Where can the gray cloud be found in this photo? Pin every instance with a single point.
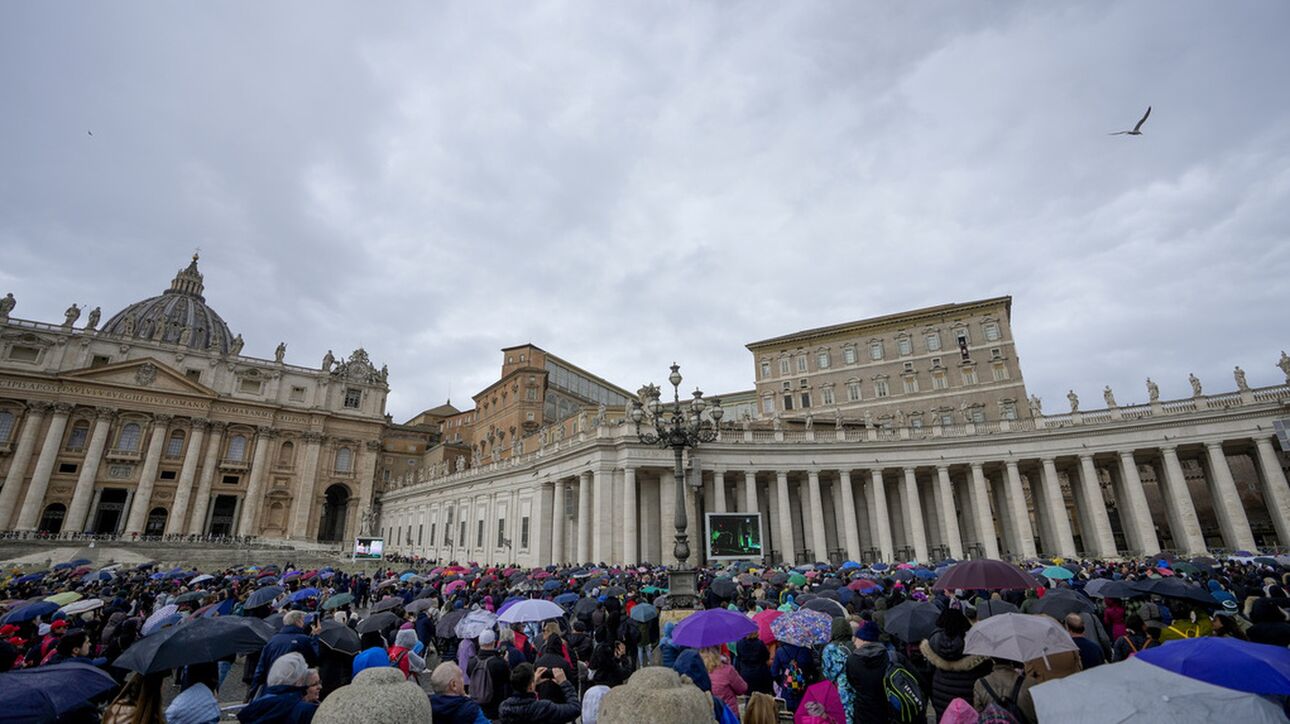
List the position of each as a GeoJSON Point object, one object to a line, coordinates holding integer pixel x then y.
{"type": "Point", "coordinates": [660, 182]}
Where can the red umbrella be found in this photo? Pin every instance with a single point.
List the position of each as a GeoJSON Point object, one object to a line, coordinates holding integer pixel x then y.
{"type": "Point", "coordinates": [864, 585]}
{"type": "Point", "coordinates": [821, 702]}
{"type": "Point", "coordinates": [763, 619]}
{"type": "Point", "coordinates": [984, 573]}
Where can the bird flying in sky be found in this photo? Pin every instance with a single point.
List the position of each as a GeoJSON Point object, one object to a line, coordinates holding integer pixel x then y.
{"type": "Point", "coordinates": [1137, 130]}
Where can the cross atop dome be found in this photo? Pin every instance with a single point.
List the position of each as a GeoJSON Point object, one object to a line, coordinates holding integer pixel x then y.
{"type": "Point", "coordinates": [189, 280]}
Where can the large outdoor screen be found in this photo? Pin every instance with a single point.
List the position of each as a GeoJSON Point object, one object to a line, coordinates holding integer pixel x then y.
{"type": "Point", "coordinates": [369, 548]}
{"type": "Point", "coordinates": [734, 536]}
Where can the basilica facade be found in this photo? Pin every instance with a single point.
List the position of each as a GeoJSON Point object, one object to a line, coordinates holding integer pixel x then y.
{"type": "Point", "coordinates": [156, 424]}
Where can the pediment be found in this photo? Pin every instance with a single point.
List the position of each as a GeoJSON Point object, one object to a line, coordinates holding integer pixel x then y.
{"type": "Point", "coordinates": [146, 372]}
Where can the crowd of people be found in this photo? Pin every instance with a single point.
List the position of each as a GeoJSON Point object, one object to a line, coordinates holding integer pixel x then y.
{"type": "Point", "coordinates": [848, 644]}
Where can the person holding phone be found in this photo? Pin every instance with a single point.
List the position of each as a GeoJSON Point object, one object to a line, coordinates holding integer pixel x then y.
{"type": "Point", "coordinates": [523, 706]}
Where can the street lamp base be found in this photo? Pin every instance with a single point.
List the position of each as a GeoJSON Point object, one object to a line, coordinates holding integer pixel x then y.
{"type": "Point", "coordinates": [682, 588]}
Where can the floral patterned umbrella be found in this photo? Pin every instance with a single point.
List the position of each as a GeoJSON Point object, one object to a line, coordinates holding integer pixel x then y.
{"type": "Point", "coordinates": [802, 628]}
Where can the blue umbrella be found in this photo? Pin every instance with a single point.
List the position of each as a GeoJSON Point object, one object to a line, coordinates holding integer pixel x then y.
{"type": "Point", "coordinates": [879, 566]}
{"type": "Point", "coordinates": [30, 611]}
{"type": "Point", "coordinates": [849, 565]}
{"type": "Point", "coordinates": [30, 577]}
{"type": "Point", "coordinates": [263, 596]}
{"type": "Point", "coordinates": [48, 692]}
{"type": "Point", "coordinates": [61, 566]}
{"type": "Point", "coordinates": [567, 599]}
{"type": "Point", "coordinates": [924, 574]}
{"type": "Point", "coordinates": [1229, 663]}
{"type": "Point", "coordinates": [302, 594]}
{"type": "Point", "coordinates": [80, 562]}
{"type": "Point", "coordinates": [223, 608]}
{"type": "Point", "coordinates": [845, 595]}
{"type": "Point", "coordinates": [551, 584]}
{"type": "Point", "coordinates": [157, 576]}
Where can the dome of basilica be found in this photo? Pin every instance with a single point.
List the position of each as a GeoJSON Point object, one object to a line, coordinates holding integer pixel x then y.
{"type": "Point", "coordinates": [178, 315]}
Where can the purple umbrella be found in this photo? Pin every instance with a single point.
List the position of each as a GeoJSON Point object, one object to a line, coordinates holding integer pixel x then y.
{"type": "Point", "coordinates": [712, 627]}
{"type": "Point", "coordinates": [1230, 663]}
{"type": "Point", "coordinates": [984, 573]}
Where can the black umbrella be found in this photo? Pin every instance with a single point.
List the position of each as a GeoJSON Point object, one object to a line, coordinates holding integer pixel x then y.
{"type": "Point", "coordinates": [389, 603]}
{"type": "Point", "coordinates": [828, 606]}
{"type": "Point", "coordinates": [830, 594]}
{"type": "Point", "coordinates": [830, 584]}
{"type": "Point", "coordinates": [912, 621]}
{"type": "Point", "coordinates": [48, 692]}
{"type": "Point", "coordinates": [1060, 601]}
{"type": "Point", "coordinates": [190, 596]}
{"type": "Point", "coordinates": [263, 596]}
{"type": "Point", "coordinates": [275, 621]}
{"type": "Point", "coordinates": [378, 622]}
{"type": "Point", "coordinates": [615, 591]}
{"type": "Point", "coordinates": [779, 578]}
{"type": "Point", "coordinates": [339, 637]}
{"type": "Point", "coordinates": [1174, 588]}
{"type": "Point", "coordinates": [585, 606]}
{"type": "Point", "coordinates": [420, 604]}
{"type": "Point", "coordinates": [197, 641]}
{"type": "Point", "coordinates": [802, 598]}
{"type": "Point", "coordinates": [994, 607]}
{"type": "Point", "coordinates": [723, 587]}
{"type": "Point", "coordinates": [447, 626]}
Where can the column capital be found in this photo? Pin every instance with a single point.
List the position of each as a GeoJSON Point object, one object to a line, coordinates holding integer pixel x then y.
{"type": "Point", "coordinates": [200, 423]}
{"type": "Point", "coordinates": [943, 468]}
{"type": "Point", "coordinates": [1086, 456]}
{"type": "Point", "coordinates": [313, 438]}
{"type": "Point", "coordinates": [105, 413]}
{"type": "Point", "coordinates": [813, 472]}
{"type": "Point", "coordinates": [977, 466]}
{"type": "Point", "coordinates": [63, 408]}
{"type": "Point", "coordinates": [1011, 464]}
{"type": "Point", "coordinates": [374, 446]}
{"type": "Point", "coordinates": [266, 432]}
{"type": "Point", "coordinates": [218, 426]}
{"type": "Point", "coordinates": [1168, 449]}
{"type": "Point", "coordinates": [1125, 454]}
{"type": "Point", "coordinates": [1048, 460]}
{"type": "Point", "coordinates": [1214, 445]}
{"type": "Point", "coordinates": [162, 418]}
{"type": "Point", "coordinates": [40, 407]}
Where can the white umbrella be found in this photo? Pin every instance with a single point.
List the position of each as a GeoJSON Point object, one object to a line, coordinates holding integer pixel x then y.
{"type": "Point", "coordinates": [202, 579]}
{"type": "Point", "coordinates": [534, 609]}
{"type": "Point", "coordinates": [88, 604]}
{"type": "Point", "coordinates": [157, 617]}
{"type": "Point", "coordinates": [475, 623]}
{"type": "Point", "coordinates": [1136, 691]}
{"type": "Point", "coordinates": [1017, 637]}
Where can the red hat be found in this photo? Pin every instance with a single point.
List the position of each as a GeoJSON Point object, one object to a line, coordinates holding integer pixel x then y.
{"type": "Point", "coordinates": [59, 624]}
{"type": "Point", "coordinates": [8, 630]}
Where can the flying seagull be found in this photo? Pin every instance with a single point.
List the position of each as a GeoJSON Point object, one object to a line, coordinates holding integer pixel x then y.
{"type": "Point", "coordinates": [1137, 130]}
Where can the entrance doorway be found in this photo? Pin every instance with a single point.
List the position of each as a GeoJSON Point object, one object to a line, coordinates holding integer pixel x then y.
{"type": "Point", "coordinates": [156, 524]}
{"type": "Point", "coordinates": [52, 520]}
{"type": "Point", "coordinates": [332, 527]}
{"type": "Point", "coordinates": [107, 519]}
{"type": "Point", "coordinates": [222, 514]}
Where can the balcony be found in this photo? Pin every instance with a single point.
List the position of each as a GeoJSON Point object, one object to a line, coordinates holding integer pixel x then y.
{"type": "Point", "coordinates": [122, 455]}
{"type": "Point", "coordinates": [234, 464]}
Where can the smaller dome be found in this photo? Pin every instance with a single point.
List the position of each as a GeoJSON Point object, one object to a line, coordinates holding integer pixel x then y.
{"type": "Point", "coordinates": [178, 315]}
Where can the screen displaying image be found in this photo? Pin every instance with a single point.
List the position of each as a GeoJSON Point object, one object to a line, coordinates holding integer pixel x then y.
{"type": "Point", "coordinates": [734, 535]}
{"type": "Point", "coordinates": [369, 547]}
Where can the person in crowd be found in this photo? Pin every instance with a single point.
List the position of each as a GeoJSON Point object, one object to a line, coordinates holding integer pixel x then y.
{"type": "Point", "coordinates": [523, 707]}
{"type": "Point", "coordinates": [1133, 640]}
{"type": "Point", "coordinates": [762, 709]}
{"type": "Point", "coordinates": [727, 684]}
{"type": "Point", "coordinates": [1114, 618]}
{"type": "Point", "coordinates": [690, 664]}
{"type": "Point", "coordinates": [196, 703]}
{"type": "Point", "coordinates": [866, 668]}
{"type": "Point", "coordinates": [449, 703]}
{"type": "Point", "coordinates": [833, 663]}
{"type": "Point", "coordinates": [609, 664]}
{"type": "Point", "coordinates": [495, 669]}
{"type": "Point", "coordinates": [1269, 623]}
{"type": "Point", "coordinates": [292, 638]}
{"type": "Point", "coordinates": [752, 660]}
{"type": "Point", "coordinates": [283, 701]}
{"type": "Point", "coordinates": [1001, 687]}
{"type": "Point", "coordinates": [580, 642]}
{"type": "Point", "coordinates": [1044, 669]}
{"type": "Point", "coordinates": [954, 673]}
{"type": "Point", "coordinates": [794, 669]}
{"type": "Point", "coordinates": [1090, 654]}
{"type": "Point", "coordinates": [1226, 626]}
{"type": "Point", "coordinates": [667, 650]}
{"type": "Point", "coordinates": [506, 646]}
{"type": "Point", "coordinates": [373, 653]}
{"type": "Point", "coordinates": [403, 657]}
{"type": "Point", "coordinates": [73, 646]}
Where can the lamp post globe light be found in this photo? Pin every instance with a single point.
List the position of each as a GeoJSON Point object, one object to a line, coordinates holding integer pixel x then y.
{"type": "Point", "coordinates": [678, 426]}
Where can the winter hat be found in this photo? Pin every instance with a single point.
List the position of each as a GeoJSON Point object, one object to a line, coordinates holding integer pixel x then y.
{"type": "Point", "coordinates": [487, 638]}
{"type": "Point", "coordinates": [377, 696]}
{"type": "Point", "coordinates": [868, 631]}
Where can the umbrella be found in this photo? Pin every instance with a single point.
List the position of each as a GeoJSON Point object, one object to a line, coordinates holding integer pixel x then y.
{"type": "Point", "coordinates": [1107, 588]}
{"type": "Point", "coordinates": [879, 567]}
{"type": "Point", "coordinates": [64, 598]}
{"type": "Point", "coordinates": [796, 579]}
{"type": "Point", "coordinates": [453, 586]}
{"type": "Point", "coordinates": [800, 628]}
{"type": "Point", "coordinates": [549, 585]}
{"type": "Point", "coordinates": [1057, 573]}
{"type": "Point", "coordinates": [263, 596]}
{"type": "Point", "coordinates": [389, 603]}
{"type": "Point", "coordinates": [1185, 567]}
{"type": "Point", "coordinates": [984, 573]}
{"type": "Point", "coordinates": [565, 599]}
{"type": "Point", "coordinates": [446, 628]}
{"type": "Point", "coordinates": [994, 608]}
{"type": "Point", "coordinates": [1226, 662]}
{"type": "Point", "coordinates": [823, 702]}
{"type": "Point", "coordinates": [302, 594]}
{"type": "Point", "coordinates": [865, 585]}
{"type": "Point", "coordinates": [614, 591]}
{"type": "Point", "coordinates": [475, 623]}
{"type": "Point", "coordinates": [388, 583]}
{"type": "Point", "coordinates": [197, 641]}
{"type": "Point", "coordinates": [88, 604]}
{"type": "Point", "coordinates": [1018, 637]}
{"type": "Point", "coordinates": [202, 579]}
{"type": "Point", "coordinates": [1136, 691]}
{"type": "Point", "coordinates": [48, 692]}
{"type": "Point", "coordinates": [712, 627]}
{"type": "Point", "coordinates": [419, 605]}
{"type": "Point", "coordinates": [190, 596]}
{"type": "Point", "coordinates": [779, 578]}
{"type": "Point", "coordinates": [1174, 588]}
{"type": "Point", "coordinates": [534, 609]}
{"type": "Point", "coordinates": [826, 606]}
{"type": "Point", "coordinates": [158, 618]}
{"type": "Point", "coordinates": [31, 577]}
{"type": "Point", "coordinates": [585, 606]}
{"type": "Point", "coordinates": [912, 621]}
{"type": "Point", "coordinates": [1061, 601]}
{"type": "Point", "coordinates": [377, 622]}
{"type": "Point", "coordinates": [643, 612]}
{"type": "Point", "coordinates": [763, 620]}
{"type": "Point", "coordinates": [339, 637]}
{"type": "Point", "coordinates": [30, 611]}
{"type": "Point", "coordinates": [338, 600]}
{"type": "Point", "coordinates": [723, 587]}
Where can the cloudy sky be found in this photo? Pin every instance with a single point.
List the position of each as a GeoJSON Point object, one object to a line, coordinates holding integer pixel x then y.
{"type": "Point", "coordinates": [626, 184]}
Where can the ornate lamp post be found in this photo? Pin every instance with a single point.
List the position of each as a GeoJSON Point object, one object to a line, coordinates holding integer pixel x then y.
{"type": "Point", "coordinates": [677, 426]}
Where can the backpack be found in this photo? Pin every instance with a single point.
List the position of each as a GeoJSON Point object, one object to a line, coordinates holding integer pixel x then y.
{"type": "Point", "coordinates": [1133, 650]}
{"type": "Point", "coordinates": [481, 684]}
{"type": "Point", "coordinates": [903, 692]}
{"type": "Point", "coordinates": [1008, 708]}
{"type": "Point", "coordinates": [794, 679]}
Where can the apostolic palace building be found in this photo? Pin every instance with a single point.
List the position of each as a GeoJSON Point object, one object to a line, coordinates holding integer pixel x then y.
{"type": "Point", "coordinates": [904, 436]}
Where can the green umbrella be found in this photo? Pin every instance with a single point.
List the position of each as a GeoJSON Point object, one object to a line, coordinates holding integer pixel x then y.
{"type": "Point", "coordinates": [1057, 573]}
{"type": "Point", "coordinates": [338, 600]}
{"type": "Point", "coordinates": [797, 579]}
{"type": "Point", "coordinates": [1185, 567]}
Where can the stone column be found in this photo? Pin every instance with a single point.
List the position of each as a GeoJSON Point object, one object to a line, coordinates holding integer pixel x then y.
{"type": "Point", "coordinates": [1275, 489]}
{"type": "Point", "coordinates": [255, 488]}
{"type": "Point", "coordinates": [786, 547]}
{"type": "Point", "coordinates": [184, 491]}
{"type": "Point", "coordinates": [718, 491]}
{"type": "Point", "coordinates": [603, 520]}
{"type": "Point", "coordinates": [981, 509]}
{"type": "Point", "coordinates": [142, 503]}
{"type": "Point", "coordinates": [1017, 504]}
{"type": "Point", "coordinates": [1095, 505]}
{"type": "Point", "coordinates": [584, 518]}
{"type": "Point", "coordinates": [949, 512]}
{"type": "Point", "coordinates": [302, 507]}
{"type": "Point", "coordinates": [1227, 501]}
{"type": "Point", "coordinates": [631, 544]}
{"type": "Point", "coordinates": [29, 515]}
{"type": "Point", "coordinates": [850, 527]}
{"type": "Point", "coordinates": [750, 491]}
{"type": "Point", "coordinates": [913, 507]}
{"type": "Point", "coordinates": [1183, 522]}
{"type": "Point", "coordinates": [366, 482]}
{"type": "Point", "coordinates": [197, 521]}
{"type": "Point", "coordinates": [557, 523]}
{"type": "Point", "coordinates": [1056, 502]}
{"type": "Point", "coordinates": [667, 515]}
{"type": "Point", "coordinates": [878, 498]}
{"type": "Point", "coordinates": [1141, 526]}
{"type": "Point", "coordinates": [84, 491]}
{"type": "Point", "coordinates": [21, 459]}
{"type": "Point", "coordinates": [816, 516]}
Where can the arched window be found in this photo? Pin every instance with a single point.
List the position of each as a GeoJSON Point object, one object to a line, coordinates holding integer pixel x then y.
{"type": "Point", "coordinates": [6, 425]}
{"type": "Point", "coordinates": [286, 453]}
{"type": "Point", "coordinates": [344, 460]}
{"type": "Point", "coordinates": [175, 445]}
{"type": "Point", "coordinates": [128, 440]}
{"type": "Point", "coordinates": [237, 448]}
{"type": "Point", "coordinates": [76, 438]}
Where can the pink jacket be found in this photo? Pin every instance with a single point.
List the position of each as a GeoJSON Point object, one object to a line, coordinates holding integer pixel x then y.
{"type": "Point", "coordinates": [728, 685]}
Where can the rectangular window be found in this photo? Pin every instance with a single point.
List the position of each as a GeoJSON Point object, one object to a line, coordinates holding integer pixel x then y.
{"type": "Point", "coordinates": [806, 400]}
{"type": "Point", "coordinates": [421, 529]}
{"type": "Point", "coordinates": [827, 395]}
{"type": "Point", "coordinates": [978, 414]}
{"type": "Point", "coordinates": [787, 386]}
{"type": "Point", "coordinates": [784, 366]}
{"type": "Point", "coordinates": [461, 531]}
{"type": "Point", "coordinates": [933, 342]}
{"type": "Point", "coordinates": [875, 350]}
{"type": "Point", "coordinates": [353, 398]}
{"type": "Point", "coordinates": [1000, 372]}
{"type": "Point", "coordinates": [524, 532]}
{"type": "Point", "coordinates": [905, 345]}
{"type": "Point", "coordinates": [479, 535]}
{"type": "Point", "coordinates": [194, 375]}
{"type": "Point", "coordinates": [849, 355]}
{"type": "Point", "coordinates": [67, 467]}
{"type": "Point", "coordinates": [168, 475]}
{"type": "Point", "coordinates": [297, 394]}
{"type": "Point", "coordinates": [1008, 410]}
{"type": "Point", "coordinates": [19, 353]}
{"type": "Point", "coordinates": [947, 419]}
{"type": "Point", "coordinates": [996, 353]}
{"type": "Point", "coordinates": [765, 369]}
{"type": "Point", "coordinates": [822, 360]}
{"type": "Point", "coordinates": [992, 331]}
{"type": "Point", "coordinates": [530, 394]}
{"type": "Point", "coordinates": [938, 381]}
{"type": "Point", "coordinates": [936, 362]}
{"type": "Point", "coordinates": [916, 422]}
{"type": "Point", "coordinates": [880, 388]}
{"type": "Point", "coordinates": [801, 363]}
{"type": "Point", "coordinates": [251, 387]}
{"type": "Point", "coordinates": [853, 391]}
{"type": "Point", "coordinates": [802, 383]}
{"type": "Point", "coordinates": [100, 360]}
{"type": "Point", "coordinates": [501, 532]}
{"type": "Point", "coordinates": [433, 525]}
{"type": "Point", "coordinates": [788, 401]}
{"type": "Point", "coordinates": [909, 366]}
{"type": "Point", "coordinates": [969, 375]}
{"type": "Point", "coordinates": [911, 385]}
{"type": "Point", "coordinates": [75, 441]}
{"type": "Point", "coordinates": [231, 479]}
{"type": "Point", "coordinates": [768, 405]}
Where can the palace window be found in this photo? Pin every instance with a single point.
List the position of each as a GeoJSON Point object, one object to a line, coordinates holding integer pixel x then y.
{"type": "Point", "coordinates": [978, 414]}
{"type": "Point", "coordinates": [237, 448]}
{"type": "Point", "coordinates": [875, 350]}
{"type": "Point", "coordinates": [916, 422]}
{"type": "Point", "coordinates": [129, 438]}
{"type": "Point", "coordinates": [853, 391]}
{"type": "Point", "coordinates": [76, 440]}
{"type": "Point", "coordinates": [784, 366]}
{"type": "Point", "coordinates": [911, 385]}
{"type": "Point", "coordinates": [6, 425]}
{"type": "Point", "coordinates": [802, 383]}
{"type": "Point", "coordinates": [19, 353]}
{"type": "Point", "coordinates": [287, 453]}
{"type": "Point", "coordinates": [501, 532]}
{"type": "Point", "coordinates": [100, 360]}
{"type": "Point", "coordinates": [806, 400]}
{"type": "Point", "coordinates": [992, 331]}
{"type": "Point", "coordinates": [524, 532]}
{"type": "Point", "coordinates": [849, 355]}
{"type": "Point", "coordinates": [788, 401]}
{"type": "Point", "coordinates": [822, 360]}
{"type": "Point", "coordinates": [249, 386]}
{"type": "Point", "coordinates": [938, 381]}
{"type": "Point", "coordinates": [826, 395]}
{"type": "Point", "coordinates": [193, 375]}
{"type": "Point", "coordinates": [947, 419]}
{"type": "Point", "coordinates": [344, 460]}
{"type": "Point", "coordinates": [175, 445]}
{"type": "Point", "coordinates": [933, 341]}
{"type": "Point", "coordinates": [765, 369]}
{"type": "Point", "coordinates": [801, 363]}
{"type": "Point", "coordinates": [1000, 371]}
{"type": "Point", "coordinates": [969, 375]}
{"type": "Point", "coordinates": [1008, 410]}
{"type": "Point", "coordinates": [353, 398]}
{"type": "Point", "coordinates": [768, 405]}
{"type": "Point", "coordinates": [905, 346]}
{"type": "Point", "coordinates": [880, 388]}
{"type": "Point", "coordinates": [297, 394]}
